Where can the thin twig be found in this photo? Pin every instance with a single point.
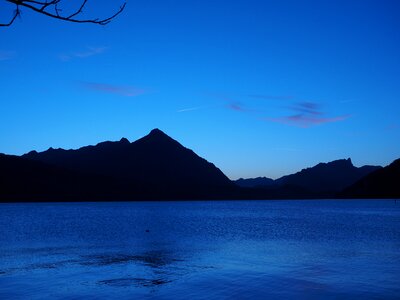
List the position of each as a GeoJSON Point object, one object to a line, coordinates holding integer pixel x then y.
{"type": "Point", "coordinates": [16, 14]}
{"type": "Point", "coordinates": [44, 7]}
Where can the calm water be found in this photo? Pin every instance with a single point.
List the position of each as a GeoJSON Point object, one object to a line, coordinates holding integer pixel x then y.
{"type": "Point", "coordinates": [201, 250]}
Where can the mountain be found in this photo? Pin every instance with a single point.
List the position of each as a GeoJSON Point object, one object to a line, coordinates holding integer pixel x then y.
{"type": "Point", "coordinates": [322, 180]}
{"type": "Point", "coordinates": [327, 178]}
{"type": "Point", "coordinates": [383, 183]}
{"type": "Point", "coordinates": [255, 182]}
{"type": "Point", "coordinates": [26, 180]}
{"type": "Point", "coordinates": [155, 166]}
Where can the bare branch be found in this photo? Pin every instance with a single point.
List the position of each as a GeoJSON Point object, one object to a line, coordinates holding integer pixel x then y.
{"type": "Point", "coordinates": [50, 8]}
{"type": "Point", "coordinates": [38, 2]}
{"type": "Point", "coordinates": [79, 10]}
{"type": "Point", "coordinates": [16, 14]}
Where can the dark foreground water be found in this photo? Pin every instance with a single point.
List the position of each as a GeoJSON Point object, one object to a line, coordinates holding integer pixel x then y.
{"type": "Point", "coordinates": [201, 250]}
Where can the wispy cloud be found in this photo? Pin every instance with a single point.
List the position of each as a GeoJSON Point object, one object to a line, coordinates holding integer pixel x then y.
{"type": "Point", "coordinates": [304, 121]}
{"type": "Point", "coordinates": [270, 97]}
{"type": "Point", "coordinates": [307, 108]}
{"type": "Point", "coordinates": [122, 90]}
{"type": "Point", "coordinates": [237, 107]}
{"type": "Point", "coordinates": [89, 51]}
{"type": "Point", "coordinates": [306, 114]}
{"type": "Point", "coordinates": [240, 107]}
{"type": "Point", "coordinates": [7, 55]}
{"type": "Point", "coordinates": [230, 102]}
{"type": "Point", "coordinates": [302, 114]}
{"type": "Point", "coordinates": [191, 109]}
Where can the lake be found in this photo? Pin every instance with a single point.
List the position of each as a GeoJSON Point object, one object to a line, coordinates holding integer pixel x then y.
{"type": "Point", "coordinates": [309, 249]}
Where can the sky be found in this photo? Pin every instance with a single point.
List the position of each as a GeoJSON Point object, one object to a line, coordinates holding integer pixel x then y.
{"type": "Point", "coordinates": [259, 88]}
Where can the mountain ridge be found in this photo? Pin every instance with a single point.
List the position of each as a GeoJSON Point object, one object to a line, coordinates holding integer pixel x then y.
{"type": "Point", "coordinates": [324, 179]}
{"type": "Point", "coordinates": [155, 164]}
{"type": "Point", "coordinates": [384, 183]}
{"type": "Point", "coordinates": [157, 167]}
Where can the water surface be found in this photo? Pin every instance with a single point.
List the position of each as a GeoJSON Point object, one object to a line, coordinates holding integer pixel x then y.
{"type": "Point", "coordinates": [201, 250]}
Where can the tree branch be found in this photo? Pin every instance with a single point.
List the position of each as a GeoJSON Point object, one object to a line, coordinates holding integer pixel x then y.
{"type": "Point", "coordinates": [16, 14]}
{"type": "Point", "coordinates": [50, 9]}
{"type": "Point", "coordinates": [79, 10]}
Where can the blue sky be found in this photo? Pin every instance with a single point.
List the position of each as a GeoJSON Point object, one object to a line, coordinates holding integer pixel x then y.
{"type": "Point", "coordinates": [259, 88]}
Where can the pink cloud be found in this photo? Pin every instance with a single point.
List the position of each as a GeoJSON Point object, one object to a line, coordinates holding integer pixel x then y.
{"type": "Point", "coordinates": [127, 91]}
{"type": "Point", "coordinates": [306, 114]}
{"type": "Point", "coordinates": [305, 121]}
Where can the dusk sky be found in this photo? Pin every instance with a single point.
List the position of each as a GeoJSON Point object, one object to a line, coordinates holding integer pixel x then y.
{"type": "Point", "coordinates": [259, 88]}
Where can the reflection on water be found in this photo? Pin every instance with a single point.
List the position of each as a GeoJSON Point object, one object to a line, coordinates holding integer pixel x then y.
{"type": "Point", "coordinates": [201, 250]}
{"type": "Point", "coordinates": [121, 282]}
{"type": "Point", "coordinates": [152, 259]}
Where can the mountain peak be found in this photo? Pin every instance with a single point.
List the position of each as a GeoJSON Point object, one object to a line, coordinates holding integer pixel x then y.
{"type": "Point", "coordinates": [156, 131]}
{"type": "Point", "coordinates": [154, 166]}
{"type": "Point", "coordinates": [124, 141]}
{"type": "Point", "coordinates": [157, 135]}
{"type": "Point", "coordinates": [344, 161]}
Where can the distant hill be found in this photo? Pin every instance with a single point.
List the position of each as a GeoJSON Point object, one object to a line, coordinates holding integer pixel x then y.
{"type": "Point", "coordinates": [255, 182]}
{"type": "Point", "coordinates": [153, 166]}
{"type": "Point", "coordinates": [322, 180]}
{"type": "Point", "coordinates": [383, 183]}
{"type": "Point", "coordinates": [327, 178]}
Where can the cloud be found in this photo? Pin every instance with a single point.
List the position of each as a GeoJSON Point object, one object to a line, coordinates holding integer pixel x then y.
{"type": "Point", "coordinates": [301, 114]}
{"type": "Point", "coordinates": [307, 108]}
{"type": "Point", "coordinates": [191, 109]}
{"type": "Point", "coordinates": [230, 102]}
{"type": "Point", "coordinates": [7, 55]}
{"type": "Point", "coordinates": [270, 97]}
{"type": "Point", "coordinates": [127, 91]}
{"type": "Point", "coordinates": [89, 51]}
{"type": "Point", "coordinates": [232, 106]}
{"type": "Point", "coordinates": [307, 114]}
{"type": "Point", "coordinates": [305, 121]}
{"type": "Point", "coordinates": [236, 107]}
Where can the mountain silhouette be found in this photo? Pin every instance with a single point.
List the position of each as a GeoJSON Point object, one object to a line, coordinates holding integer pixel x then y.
{"type": "Point", "coordinates": [157, 167]}
{"type": "Point", "coordinates": [383, 183]}
{"type": "Point", "coordinates": [322, 180]}
{"type": "Point", "coordinates": [255, 182]}
{"type": "Point", "coordinates": [153, 166]}
{"type": "Point", "coordinates": [327, 178]}
{"type": "Point", "coordinates": [26, 180]}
